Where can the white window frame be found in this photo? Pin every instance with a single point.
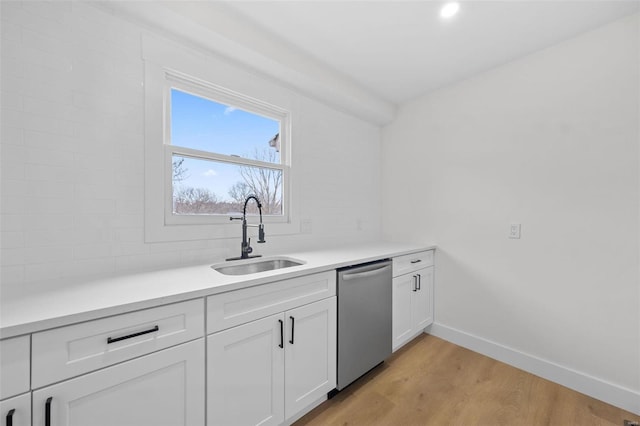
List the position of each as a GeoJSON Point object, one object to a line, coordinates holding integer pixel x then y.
{"type": "Point", "coordinates": [164, 60]}
{"type": "Point", "coordinates": [207, 90]}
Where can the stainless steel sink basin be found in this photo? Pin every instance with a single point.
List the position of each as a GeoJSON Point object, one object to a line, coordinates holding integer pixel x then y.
{"type": "Point", "coordinates": [253, 266]}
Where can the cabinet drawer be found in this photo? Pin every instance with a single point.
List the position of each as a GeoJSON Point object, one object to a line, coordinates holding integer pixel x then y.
{"type": "Point", "coordinates": [14, 366]}
{"type": "Point", "coordinates": [412, 262]}
{"type": "Point", "coordinates": [70, 351]}
{"type": "Point", "coordinates": [238, 307]}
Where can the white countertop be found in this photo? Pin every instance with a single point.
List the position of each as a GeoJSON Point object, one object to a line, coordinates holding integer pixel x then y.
{"type": "Point", "coordinates": [82, 301]}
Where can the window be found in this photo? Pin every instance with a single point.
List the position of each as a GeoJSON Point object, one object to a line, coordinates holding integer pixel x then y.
{"type": "Point", "coordinates": [220, 147]}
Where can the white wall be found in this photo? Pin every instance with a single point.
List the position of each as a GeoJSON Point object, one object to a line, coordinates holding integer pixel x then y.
{"type": "Point", "coordinates": [549, 141]}
{"type": "Point", "coordinates": [73, 155]}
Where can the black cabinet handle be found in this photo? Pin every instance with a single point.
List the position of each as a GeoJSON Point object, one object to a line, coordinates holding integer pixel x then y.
{"type": "Point", "coordinates": [47, 412]}
{"type": "Point", "coordinates": [281, 345]}
{"type": "Point", "coordinates": [10, 417]}
{"type": "Point", "coordinates": [293, 320]}
{"type": "Point", "coordinates": [129, 336]}
{"type": "Point", "coordinates": [415, 283]}
{"type": "Point", "coordinates": [416, 261]}
{"type": "Point", "coordinates": [419, 282]}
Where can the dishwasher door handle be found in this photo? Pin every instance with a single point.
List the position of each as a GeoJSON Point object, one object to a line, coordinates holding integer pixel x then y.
{"type": "Point", "coordinates": [355, 275]}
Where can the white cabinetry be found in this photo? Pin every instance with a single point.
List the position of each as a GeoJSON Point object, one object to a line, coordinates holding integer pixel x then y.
{"type": "Point", "coordinates": [15, 399]}
{"type": "Point", "coordinates": [16, 411]}
{"type": "Point", "coordinates": [412, 296]}
{"type": "Point", "coordinates": [163, 388]}
{"type": "Point", "coordinates": [270, 369]}
{"type": "Point", "coordinates": [150, 370]}
{"type": "Point", "coordinates": [14, 366]}
{"type": "Point", "coordinates": [310, 355]}
{"type": "Point", "coordinates": [245, 374]}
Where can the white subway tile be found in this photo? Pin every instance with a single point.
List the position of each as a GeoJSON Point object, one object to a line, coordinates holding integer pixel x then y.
{"type": "Point", "coordinates": [147, 262]}
{"type": "Point", "coordinates": [10, 11]}
{"type": "Point", "coordinates": [11, 98]}
{"type": "Point", "coordinates": [41, 123]}
{"type": "Point", "coordinates": [12, 239]}
{"type": "Point", "coordinates": [49, 141]}
{"type": "Point", "coordinates": [39, 41]}
{"type": "Point", "coordinates": [35, 272]}
{"type": "Point", "coordinates": [12, 204]}
{"type": "Point", "coordinates": [49, 205]}
{"type": "Point", "coordinates": [12, 170]}
{"type": "Point", "coordinates": [128, 235]}
{"type": "Point", "coordinates": [89, 206]}
{"type": "Point", "coordinates": [49, 189]}
{"type": "Point", "coordinates": [46, 85]}
{"type": "Point", "coordinates": [36, 221]}
{"type": "Point", "coordinates": [128, 249]}
{"type": "Point", "coordinates": [61, 61]}
{"type": "Point", "coordinates": [47, 237]}
{"type": "Point", "coordinates": [58, 10]}
{"type": "Point", "coordinates": [89, 191]}
{"type": "Point", "coordinates": [130, 206]}
{"type": "Point", "coordinates": [51, 109]}
{"type": "Point", "coordinates": [36, 255]}
{"type": "Point", "coordinates": [44, 172]}
{"type": "Point", "coordinates": [11, 275]}
{"type": "Point", "coordinates": [11, 135]}
{"type": "Point", "coordinates": [92, 251]}
{"type": "Point", "coordinates": [128, 221]}
{"type": "Point", "coordinates": [13, 256]}
{"type": "Point", "coordinates": [12, 117]}
{"type": "Point", "coordinates": [84, 235]}
{"type": "Point", "coordinates": [10, 31]}
{"type": "Point", "coordinates": [90, 267]}
{"type": "Point", "coordinates": [10, 153]}
{"type": "Point", "coordinates": [12, 222]}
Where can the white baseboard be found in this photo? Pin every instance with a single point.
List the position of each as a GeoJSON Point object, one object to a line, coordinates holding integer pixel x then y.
{"type": "Point", "coordinates": [621, 397]}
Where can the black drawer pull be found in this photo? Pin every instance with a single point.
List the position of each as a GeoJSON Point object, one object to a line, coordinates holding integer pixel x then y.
{"type": "Point", "coordinates": [416, 261]}
{"type": "Point", "coordinates": [129, 336]}
{"type": "Point", "coordinates": [419, 282]}
{"type": "Point", "coordinates": [293, 320]}
{"type": "Point", "coordinates": [281, 345]}
{"type": "Point", "coordinates": [10, 417]}
{"type": "Point", "coordinates": [47, 412]}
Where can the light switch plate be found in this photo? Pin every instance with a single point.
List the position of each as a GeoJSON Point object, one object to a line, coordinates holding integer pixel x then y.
{"type": "Point", "coordinates": [514, 231]}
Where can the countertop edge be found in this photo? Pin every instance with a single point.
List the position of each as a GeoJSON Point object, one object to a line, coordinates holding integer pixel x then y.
{"type": "Point", "coordinates": [35, 325]}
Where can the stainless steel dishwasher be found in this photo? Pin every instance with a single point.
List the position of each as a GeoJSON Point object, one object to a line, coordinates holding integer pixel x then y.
{"type": "Point", "coordinates": [364, 319]}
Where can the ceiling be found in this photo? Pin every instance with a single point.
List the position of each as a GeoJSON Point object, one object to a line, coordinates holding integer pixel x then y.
{"type": "Point", "coordinates": [368, 57]}
{"type": "Point", "coordinates": [398, 50]}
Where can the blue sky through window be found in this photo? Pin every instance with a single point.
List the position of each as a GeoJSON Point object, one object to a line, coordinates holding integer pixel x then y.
{"type": "Point", "coordinates": [203, 124]}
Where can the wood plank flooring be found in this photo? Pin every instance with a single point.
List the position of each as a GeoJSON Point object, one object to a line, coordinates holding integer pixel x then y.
{"type": "Point", "coordinates": [434, 382]}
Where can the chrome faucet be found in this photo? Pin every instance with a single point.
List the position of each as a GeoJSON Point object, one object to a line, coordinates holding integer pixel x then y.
{"type": "Point", "coordinates": [245, 247]}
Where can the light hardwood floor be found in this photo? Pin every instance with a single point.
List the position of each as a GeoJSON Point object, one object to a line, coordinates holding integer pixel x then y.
{"type": "Point", "coordinates": [434, 382]}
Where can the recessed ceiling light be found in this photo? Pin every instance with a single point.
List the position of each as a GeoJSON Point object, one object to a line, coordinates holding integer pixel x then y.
{"type": "Point", "coordinates": [449, 10]}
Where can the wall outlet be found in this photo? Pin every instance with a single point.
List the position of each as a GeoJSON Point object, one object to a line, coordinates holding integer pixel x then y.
{"type": "Point", "coordinates": [514, 231]}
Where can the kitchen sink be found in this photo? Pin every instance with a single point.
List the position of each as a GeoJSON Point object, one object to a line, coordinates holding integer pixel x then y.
{"type": "Point", "coordinates": [253, 266]}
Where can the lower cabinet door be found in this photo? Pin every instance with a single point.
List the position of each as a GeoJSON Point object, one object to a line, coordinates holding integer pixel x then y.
{"type": "Point", "coordinates": [245, 374]}
{"type": "Point", "coordinates": [404, 287]}
{"type": "Point", "coordinates": [310, 356]}
{"type": "Point", "coordinates": [16, 411]}
{"type": "Point", "coordinates": [423, 300]}
{"type": "Point", "coordinates": [163, 388]}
